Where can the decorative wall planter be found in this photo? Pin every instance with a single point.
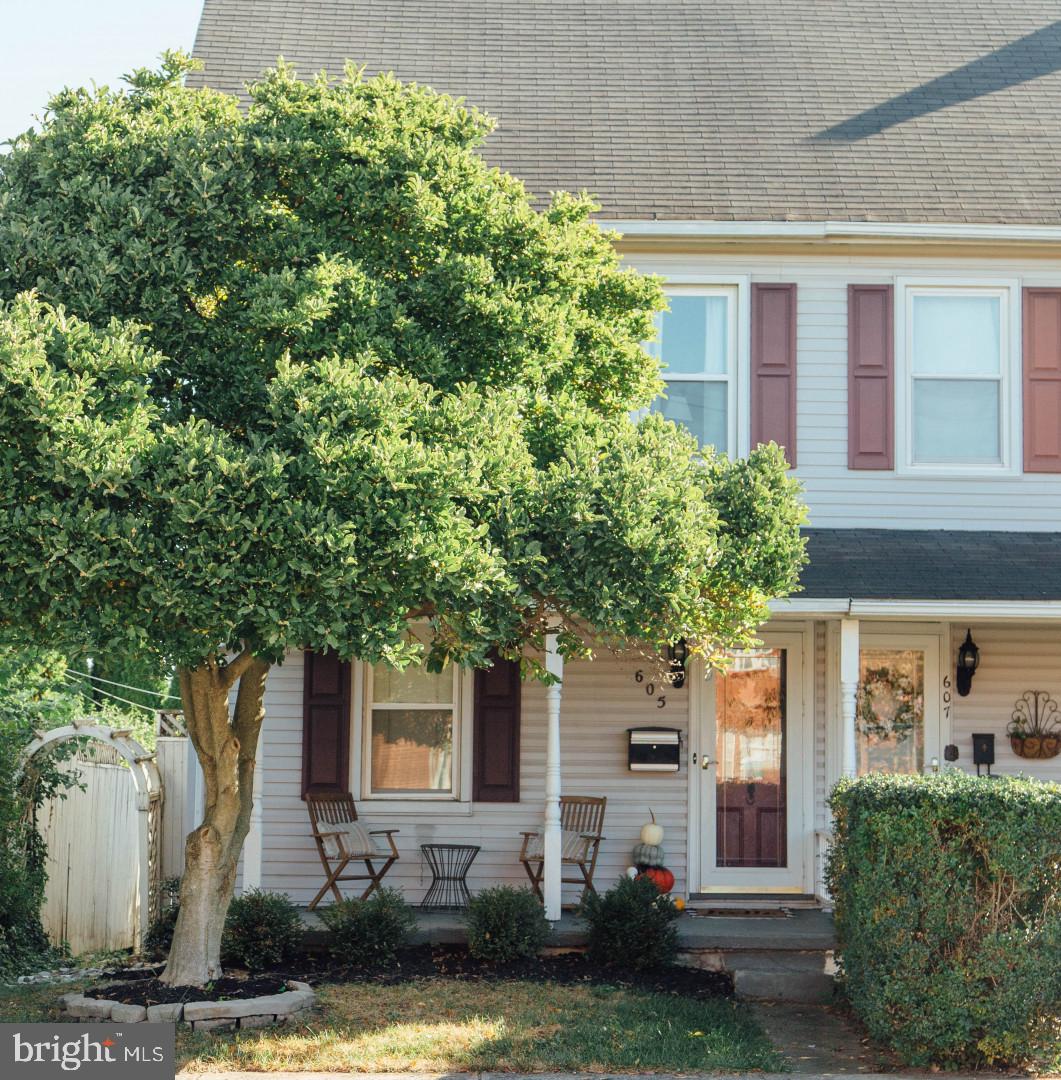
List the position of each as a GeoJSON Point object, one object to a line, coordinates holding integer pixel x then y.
{"type": "Point", "coordinates": [1035, 727]}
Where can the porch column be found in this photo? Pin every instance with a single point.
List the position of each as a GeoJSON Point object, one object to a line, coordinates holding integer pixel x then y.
{"type": "Point", "coordinates": [848, 696]}
{"type": "Point", "coordinates": [554, 664]}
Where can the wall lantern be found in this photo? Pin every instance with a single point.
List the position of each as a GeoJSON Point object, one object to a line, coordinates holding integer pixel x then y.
{"type": "Point", "coordinates": [968, 662]}
{"type": "Point", "coordinates": [677, 654]}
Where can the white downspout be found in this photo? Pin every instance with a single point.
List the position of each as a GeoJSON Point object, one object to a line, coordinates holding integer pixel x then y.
{"type": "Point", "coordinates": [554, 664]}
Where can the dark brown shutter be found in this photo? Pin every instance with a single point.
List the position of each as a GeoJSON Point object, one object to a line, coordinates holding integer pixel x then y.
{"type": "Point", "coordinates": [774, 367]}
{"type": "Point", "coordinates": [325, 724]}
{"type": "Point", "coordinates": [495, 753]}
{"type": "Point", "coordinates": [870, 378]}
{"type": "Point", "coordinates": [1042, 380]}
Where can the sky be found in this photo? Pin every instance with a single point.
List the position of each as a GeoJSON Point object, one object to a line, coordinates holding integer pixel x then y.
{"type": "Point", "coordinates": [48, 44]}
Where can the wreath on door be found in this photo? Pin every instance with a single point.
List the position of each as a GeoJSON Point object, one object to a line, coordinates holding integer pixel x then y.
{"type": "Point", "coordinates": [886, 686]}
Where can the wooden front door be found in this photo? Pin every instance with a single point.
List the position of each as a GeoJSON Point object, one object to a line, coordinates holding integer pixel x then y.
{"type": "Point", "coordinates": [751, 805]}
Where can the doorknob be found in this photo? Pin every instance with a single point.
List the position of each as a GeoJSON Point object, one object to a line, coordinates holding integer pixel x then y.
{"type": "Point", "coordinates": [706, 763]}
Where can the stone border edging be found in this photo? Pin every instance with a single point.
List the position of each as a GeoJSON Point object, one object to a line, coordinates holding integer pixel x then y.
{"type": "Point", "coordinates": [242, 1013]}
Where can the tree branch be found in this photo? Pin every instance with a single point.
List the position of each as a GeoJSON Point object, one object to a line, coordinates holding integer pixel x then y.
{"type": "Point", "coordinates": [235, 668]}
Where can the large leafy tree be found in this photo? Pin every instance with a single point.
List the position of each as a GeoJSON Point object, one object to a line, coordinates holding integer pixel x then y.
{"type": "Point", "coordinates": [293, 375]}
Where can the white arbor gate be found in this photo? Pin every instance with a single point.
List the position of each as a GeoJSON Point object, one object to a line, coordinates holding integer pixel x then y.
{"type": "Point", "coordinates": [92, 832]}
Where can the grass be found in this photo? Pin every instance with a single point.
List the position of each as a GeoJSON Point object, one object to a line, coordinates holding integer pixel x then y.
{"type": "Point", "coordinates": [438, 1025]}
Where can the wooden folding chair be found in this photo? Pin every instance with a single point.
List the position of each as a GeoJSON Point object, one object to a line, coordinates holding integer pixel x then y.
{"type": "Point", "coordinates": [581, 816]}
{"type": "Point", "coordinates": [328, 814]}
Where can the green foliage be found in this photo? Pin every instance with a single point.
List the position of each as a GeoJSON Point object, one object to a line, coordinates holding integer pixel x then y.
{"type": "Point", "coordinates": [948, 913]}
{"type": "Point", "coordinates": [367, 933]}
{"type": "Point", "coordinates": [159, 936]}
{"type": "Point", "coordinates": [631, 925]}
{"type": "Point", "coordinates": [303, 369]}
{"type": "Point", "coordinates": [505, 924]}
{"type": "Point", "coordinates": [29, 702]}
{"type": "Point", "coordinates": [262, 931]}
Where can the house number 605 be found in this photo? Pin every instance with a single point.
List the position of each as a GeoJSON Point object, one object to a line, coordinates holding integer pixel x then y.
{"type": "Point", "coordinates": [650, 689]}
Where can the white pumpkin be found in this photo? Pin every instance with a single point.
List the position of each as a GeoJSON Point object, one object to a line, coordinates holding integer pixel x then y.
{"type": "Point", "coordinates": [631, 872]}
{"type": "Point", "coordinates": [651, 833]}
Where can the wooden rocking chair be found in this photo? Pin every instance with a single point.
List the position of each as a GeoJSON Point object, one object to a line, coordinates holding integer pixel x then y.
{"type": "Point", "coordinates": [581, 828]}
{"type": "Point", "coordinates": [338, 845]}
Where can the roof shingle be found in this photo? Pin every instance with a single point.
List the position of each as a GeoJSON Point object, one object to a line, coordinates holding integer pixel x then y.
{"type": "Point", "coordinates": [874, 110]}
{"type": "Point", "coordinates": [931, 564]}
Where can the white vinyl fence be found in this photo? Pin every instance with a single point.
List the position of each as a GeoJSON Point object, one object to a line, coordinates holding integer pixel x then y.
{"type": "Point", "coordinates": [91, 899]}
{"type": "Point", "coordinates": [181, 781]}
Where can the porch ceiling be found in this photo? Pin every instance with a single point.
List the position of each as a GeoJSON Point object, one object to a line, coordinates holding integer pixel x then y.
{"type": "Point", "coordinates": [931, 564]}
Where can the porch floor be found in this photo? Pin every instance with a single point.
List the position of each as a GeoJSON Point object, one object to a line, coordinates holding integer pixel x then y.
{"type": "Point", "coordinates": [807, 930]}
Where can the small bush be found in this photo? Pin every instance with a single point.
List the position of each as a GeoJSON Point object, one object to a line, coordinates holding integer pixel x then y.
{"type": "Point", "coordinates": [159, 936]}
{"type": "Point", "coordinates": [367, 933]}
{"type": "Point", "coordinates": [632, 925]}
{"type": "Point", "coordinates": [262, 931]}
{"type": "Point", "coordinates": [505, 924]}
{"type": "Point", "coordinates": [948, 914]}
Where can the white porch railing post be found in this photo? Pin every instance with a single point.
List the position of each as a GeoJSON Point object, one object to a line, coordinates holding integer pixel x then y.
{"type": "Point", "coordinates": [554, 664]}
{"type": "Point", "coordinates": [848, 695]}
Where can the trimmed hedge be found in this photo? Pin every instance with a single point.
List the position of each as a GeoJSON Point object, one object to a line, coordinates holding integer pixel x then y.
{"type": "Point", "coordinates": [631, 926]}
{"type": "Point", "coordinates": [505, 924]}
{"type": "Point", "coordinates": [948, 914]}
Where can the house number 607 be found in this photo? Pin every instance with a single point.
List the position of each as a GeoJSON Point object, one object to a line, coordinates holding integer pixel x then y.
{"type": "Point", "coordinates": [650, 689]}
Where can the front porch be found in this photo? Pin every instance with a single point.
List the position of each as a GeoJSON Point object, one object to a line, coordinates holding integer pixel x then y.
{"type": "Point", "coordinates": [782, 955]}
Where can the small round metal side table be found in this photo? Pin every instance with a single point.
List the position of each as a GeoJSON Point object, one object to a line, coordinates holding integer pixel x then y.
{"type": "Point", "coordinates": [449, 865]}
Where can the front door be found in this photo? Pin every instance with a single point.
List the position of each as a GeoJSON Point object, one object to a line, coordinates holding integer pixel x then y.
{"type": "Point", "coordinates": [751, 766]}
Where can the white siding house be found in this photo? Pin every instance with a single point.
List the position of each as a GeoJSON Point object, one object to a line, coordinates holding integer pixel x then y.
{"type": "Point", "coordinates": [863, 253]}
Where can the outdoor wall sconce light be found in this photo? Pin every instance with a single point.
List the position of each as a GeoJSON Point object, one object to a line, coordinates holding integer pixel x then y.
{"type": "Point", "coordinates": [677, 654]}
{"type": "Point", "coordinates": [968, 662]}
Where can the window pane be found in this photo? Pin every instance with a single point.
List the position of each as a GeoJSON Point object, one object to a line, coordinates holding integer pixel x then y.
{"type": "Point", "coordinates": [412, 750]}
{"type": "Point", "coordinates": [693, 340]}
{"type": "Point", "coordinates": [414, 684]}
{"type": "Point", "coordinates": [891, 711]}
{"type": "Point", "coordinates": [702, 407]}
{"type": "Point", "coordinates": [957, 335]}
{"type": "Point", "coordinates": [956, 421]}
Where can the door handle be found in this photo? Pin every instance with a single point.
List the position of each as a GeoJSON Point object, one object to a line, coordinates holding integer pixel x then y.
{"type": "Point", "coordinates": [706, 763]}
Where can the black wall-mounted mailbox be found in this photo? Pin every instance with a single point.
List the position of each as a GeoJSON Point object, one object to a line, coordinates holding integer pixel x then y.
{"type": "Point", "coordinates": [654, 749]}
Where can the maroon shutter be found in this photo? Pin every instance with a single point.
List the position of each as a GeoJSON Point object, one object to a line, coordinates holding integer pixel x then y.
{"type": "Point", "coordinates": [870, 378]}
{"type": "Point", "coordinates": [325, 724]}
{"type": "Point", "coordinates": [495, 775]}
{"type": "Point", "coordinates": [774, 367]}
{"type": "Point", "coordinates": [1042, 380]}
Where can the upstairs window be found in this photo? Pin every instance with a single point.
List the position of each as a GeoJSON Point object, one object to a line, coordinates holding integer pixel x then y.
{"type": "Point", "coordinates": [958, 360]}
{"type": "Point", "coordinates": [696, 346]}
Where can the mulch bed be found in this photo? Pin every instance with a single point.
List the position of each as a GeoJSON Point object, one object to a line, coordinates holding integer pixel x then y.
{"type": "Point", "coordinates": [147, 990]}
{"type": "Point", "coordinates": [422, 962]}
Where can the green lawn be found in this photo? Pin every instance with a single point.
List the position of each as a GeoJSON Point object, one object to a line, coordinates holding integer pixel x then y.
{"type": "Point", "coordinates": [438, 1025]}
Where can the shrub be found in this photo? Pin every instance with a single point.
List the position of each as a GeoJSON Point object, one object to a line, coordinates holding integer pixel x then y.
{"type": "Point", "coordinates": [505, 924]}
{"type": "Point", "coordinates": [632, 925]}
{"type": "Point", "coordinates": [948, 913]}
{"type": "Point", "coordinates": [366, 933]}
{"type": "Point", "coordinates": [159, 936]}
{"type": "Point", "coordinates": [262, 931]}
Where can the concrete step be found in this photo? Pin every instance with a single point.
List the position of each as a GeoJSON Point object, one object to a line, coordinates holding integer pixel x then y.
{"type": "Point", "coordinates": [804, 976]}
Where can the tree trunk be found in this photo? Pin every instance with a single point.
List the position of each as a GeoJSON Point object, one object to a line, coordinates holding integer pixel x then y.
{"type": "Point", "coordinates": [226, 749]}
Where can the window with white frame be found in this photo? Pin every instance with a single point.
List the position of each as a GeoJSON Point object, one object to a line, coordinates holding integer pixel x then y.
{"type": "Point", "coordinates": [411, 736]}
{"type": "Point", "coordinates": [696, 345]}
{"type": "Point", "coordinates": [958, 359]}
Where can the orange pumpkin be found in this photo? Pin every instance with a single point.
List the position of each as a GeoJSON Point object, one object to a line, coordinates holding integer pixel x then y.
{"type": "Point", "coordinates": [661, 877]}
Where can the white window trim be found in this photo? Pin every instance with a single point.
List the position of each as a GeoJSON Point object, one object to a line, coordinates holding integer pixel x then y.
{"type": "Point", "coordinates": [739, 399]}
{"type": "Point", "coordinates": [1008, 290]}
{"type": "Point", "coordinates": [456, 801]}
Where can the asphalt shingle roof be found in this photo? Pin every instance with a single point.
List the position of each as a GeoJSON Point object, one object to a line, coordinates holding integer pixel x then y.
{"type": "Point", "coordinates": [877, 110]}
{"type": "Point", "coordinates": [931, 564]}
